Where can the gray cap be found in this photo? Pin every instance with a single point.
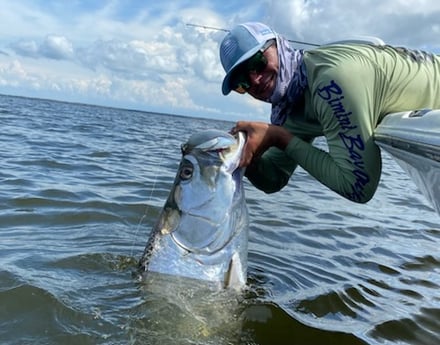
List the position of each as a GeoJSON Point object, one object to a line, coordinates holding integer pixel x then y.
{"type": "Point", "coordinates": [240, 44]}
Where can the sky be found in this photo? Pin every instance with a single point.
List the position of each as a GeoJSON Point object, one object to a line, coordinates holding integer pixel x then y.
{"type": "Point", "coordinates": [150, 55]}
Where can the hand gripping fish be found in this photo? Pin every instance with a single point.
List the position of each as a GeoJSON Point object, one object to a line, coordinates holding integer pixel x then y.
{"type": "Point", "coordinates": [202, 230]}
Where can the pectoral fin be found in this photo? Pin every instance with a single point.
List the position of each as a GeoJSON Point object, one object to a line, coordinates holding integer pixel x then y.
{"type": "Point", "coordinates": [234, 277]}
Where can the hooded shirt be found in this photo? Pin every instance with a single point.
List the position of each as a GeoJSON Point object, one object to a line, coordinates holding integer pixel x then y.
{"type": "Point", "coordinates": [291, 81]}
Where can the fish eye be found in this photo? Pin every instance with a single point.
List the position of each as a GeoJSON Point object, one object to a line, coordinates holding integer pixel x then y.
{"type": "Point", "coordinates": [186, 172]}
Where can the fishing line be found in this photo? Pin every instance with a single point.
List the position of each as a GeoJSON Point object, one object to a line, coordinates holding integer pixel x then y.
{"type": "Point", "coordinates": [157, 166]}
{"type": "Point", "coordinates": [225, 30]}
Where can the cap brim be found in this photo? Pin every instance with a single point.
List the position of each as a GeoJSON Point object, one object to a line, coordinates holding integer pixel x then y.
{"type": "Point", "coordinates": [226, 89]}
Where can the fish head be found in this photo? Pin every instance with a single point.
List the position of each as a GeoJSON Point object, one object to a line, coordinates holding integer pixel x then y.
{"type": "Point", "coordinates": [203, 192]}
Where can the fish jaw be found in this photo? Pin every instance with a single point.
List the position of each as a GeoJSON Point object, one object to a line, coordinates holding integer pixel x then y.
{"type": "Point", "coordinates": [226, 267]}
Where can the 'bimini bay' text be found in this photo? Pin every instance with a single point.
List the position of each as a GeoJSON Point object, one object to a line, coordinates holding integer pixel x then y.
{"type": "Point", "coordinates": [352, 140]}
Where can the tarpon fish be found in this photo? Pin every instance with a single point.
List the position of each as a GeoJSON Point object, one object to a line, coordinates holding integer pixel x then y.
{"type": "Point", "coordinates": [202, 230]}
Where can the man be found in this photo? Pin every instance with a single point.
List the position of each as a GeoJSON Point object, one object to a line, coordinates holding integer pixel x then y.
{"type": "Point", "coordinates": [340, 91]}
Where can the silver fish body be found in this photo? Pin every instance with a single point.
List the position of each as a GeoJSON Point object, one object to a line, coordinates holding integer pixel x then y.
{"type": "Point", "coordinates": [202, 230]}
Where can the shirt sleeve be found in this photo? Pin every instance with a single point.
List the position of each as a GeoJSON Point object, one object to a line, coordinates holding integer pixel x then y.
{"type": "Point", "coordinates": [272, 171]}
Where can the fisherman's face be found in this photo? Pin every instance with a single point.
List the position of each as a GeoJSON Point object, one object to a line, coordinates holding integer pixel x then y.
{"type": "Point", "coordinates": [257, 75]}
{"type": "Point", "coordinates": [262, 84]}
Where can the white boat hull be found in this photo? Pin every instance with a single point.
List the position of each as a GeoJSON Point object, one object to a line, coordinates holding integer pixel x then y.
{"type": "Point", "coordinates": [413, 139]}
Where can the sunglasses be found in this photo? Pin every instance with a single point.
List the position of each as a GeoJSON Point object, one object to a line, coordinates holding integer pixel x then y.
{"type": "Point", "coordinates": [256, 63]}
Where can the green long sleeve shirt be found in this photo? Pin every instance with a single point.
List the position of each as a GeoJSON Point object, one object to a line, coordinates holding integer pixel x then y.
{"type": "Point", "coordinates": [350, 89]}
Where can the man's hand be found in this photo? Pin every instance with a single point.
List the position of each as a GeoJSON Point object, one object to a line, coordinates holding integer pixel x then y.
{"type": "Point", "coordinates": [260, 136]}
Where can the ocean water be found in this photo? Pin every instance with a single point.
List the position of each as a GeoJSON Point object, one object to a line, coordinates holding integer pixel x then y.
{"type": "Point", "coordinates": [81, 187]}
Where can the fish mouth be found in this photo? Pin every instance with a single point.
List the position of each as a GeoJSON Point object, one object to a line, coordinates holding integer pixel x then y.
{"type": "Point", "coordinates": [232, 158]}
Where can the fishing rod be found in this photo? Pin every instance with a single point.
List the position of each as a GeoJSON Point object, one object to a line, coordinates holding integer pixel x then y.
{"type": "Point", "coordinates": [225, 30]}
{"type": "Point", "coordinates": [206, 27]}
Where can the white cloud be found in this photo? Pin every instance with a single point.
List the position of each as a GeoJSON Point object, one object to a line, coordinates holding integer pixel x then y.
{"type": "Point", "coordinates": [122, 58]}
{"type": "Point", "coordinates": [14, 72]}
{"type": "Point", "coordinates": [396, 21]}
{"type": "Point", "coordinates": [52, 47]}
{"type": "Point", "coordinates": [26, 48]}
{"type": "Point", "coordinates": [56, 47]}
